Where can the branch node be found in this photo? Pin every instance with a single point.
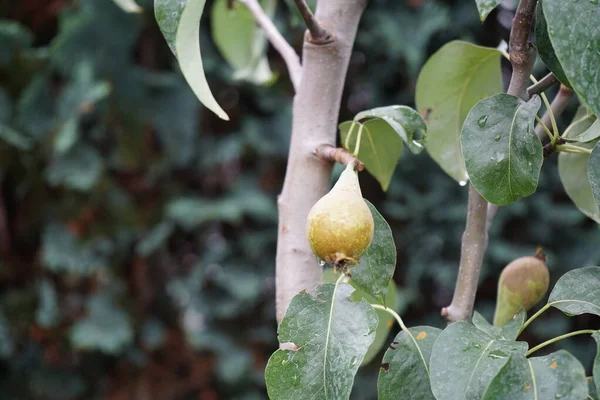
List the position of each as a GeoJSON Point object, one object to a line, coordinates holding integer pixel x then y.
{"type": "Point", "coordinates": [545, 83]}
{"type": "Point", "coordinates": [317, 34]}
{"type": "Point", "coordinates": [329, 153]}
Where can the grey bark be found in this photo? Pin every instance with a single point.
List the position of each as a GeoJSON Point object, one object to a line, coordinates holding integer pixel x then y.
{"type": "Point", "coordinates": [315, 119]}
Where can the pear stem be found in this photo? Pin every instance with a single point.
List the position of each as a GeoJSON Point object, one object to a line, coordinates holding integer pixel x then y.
{"type": "Point", "coordinates": [329, 153]}
{"type": "Point", "coordinates": [561, 337]}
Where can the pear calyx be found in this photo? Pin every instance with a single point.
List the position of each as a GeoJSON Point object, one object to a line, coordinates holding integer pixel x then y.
{"type": "Point", "coordinates": [340, 225]}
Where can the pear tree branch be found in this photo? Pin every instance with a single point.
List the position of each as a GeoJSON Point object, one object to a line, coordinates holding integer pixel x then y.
{"type": "Point", "coordinates": [331, 154]}
{"type": "Point", "coordinates": [475, 237]}
{"type": "Point", "coordinates": [289, 55]}
{"type": "Point", "coordinates": [543, 84]}
{"type": "Point", "coordinates": [318, 34]}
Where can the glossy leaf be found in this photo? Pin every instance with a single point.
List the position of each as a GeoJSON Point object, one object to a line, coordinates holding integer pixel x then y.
{"type": "Point", "coordinates": [47, 314]}
{"type": "Point", "coordinates": [594, 173]}
{"type": "Point", "coordinates": [578, 292]}
{"type": "Point", "coordinates": [503, 155]}
{"type": "Point", "coordinates": [596, 367]}
{"type": "Point", "coordinates": [592, 133]}
{"type": "Point", "coordinates": [106, 328]}
{"type": "Point", "coordinates": [240, 40]}
{"type": "Point", "coordinates": [557, 375]}
{"type": "Point", "coordinates": [407, 123]}
{"type": "Point", "coordinates": [573, 31]}
{"type": "Point", "coordinates": [322, 342]}
{"type": "Point", "coordinates": [376, 268]}
{"type": "Point", "coordinates": [404, 372]}
{"type": "Point", "coordinates": [129, 6]}
{"type": "Point", "coordinates": [386, 320]}
{"type": "Point", "coordinates": [379, 147]}
{"type": "Point", "coordinates": [179, 23]}
{"type": "Point", "coordinates": [485, 7]}
{"type": "Point", "coordinates": [464, 361]}
{"type": "Point", "coordinates": [573, 170]}
{"type": "Point", "coordinates": [509, 331]}
{"type": "Point", "coordinates": [15, 138]}
{"type": "Point", "coordinates": [544, 46]}
{"type": "Point", "coordinates": [452, 81]}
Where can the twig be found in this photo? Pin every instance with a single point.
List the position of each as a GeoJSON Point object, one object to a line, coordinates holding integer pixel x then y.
{"type": "Point", "coordinates": [520, 49]}
{"type": "Point", "coordinates": [546, 82]}
{"type": "Point", "coordinates": [289, 55]}
{"type": "Point", "coordinates": [318, 34]}
{"type": "Point", "coordinates": [558, 105]}
{"type": "Point", "coordinates": [475, 237]}
{"type": "Point", "coordinates": [329, 153]}
{"type": "Point", "coordinates": [474, 243]}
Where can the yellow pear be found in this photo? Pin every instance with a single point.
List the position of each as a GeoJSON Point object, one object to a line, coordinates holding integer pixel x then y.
{"type": "Point", "coordinates": [523, 283]}
{"type": "Point", "coordinates": [340, 225]}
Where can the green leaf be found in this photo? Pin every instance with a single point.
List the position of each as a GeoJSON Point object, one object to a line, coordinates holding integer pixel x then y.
{"type": "Point", "coordinates": [573, 170]}
{"type": "Point", "coordinates": [544, 46]}
{"type": "Point", "coordinates": [7, 345]}
{"type": "Point", "coordinates": [15, 138]}
{"type": "Point", "coordinates": [573, 31]}
{"type": "Point", "coordinates": [376, 268]}
{"type": "Point", "coordinates": [592, 133]}
{"type": "Point", "coordinates": [106, 328]}
{"type": "Point", "coordinates": [48, 313]}
{"type": "Point", "coordinates": [510, 331]}
{"type": "Point", "coordinates": [386, 320]}
{"type": "Point", "coordinates": [13, 37]}
{"type": "Point", "coordinates": [154, 239]}
{"type": "Point", "coordinates": [557, 375]}
{"type": "Point", "coordinates": [452, 81]}
{"type": "Point", "coordinates": [577, 292]}
{"type": "Point", "coordinates": [179, 23]}
{"type": "Point", "coordinates": [464, 360]}
{"type": "Point", "coordinates": [242, 43]}
{"type": "Point", "coordinates": [78, 169]}
{"type": "Point", "coordinates": [404, 372]}
{"type": "Point", "coordinates": [485, 7]}
{"type": "Point", "coordinates": [63, 252]}
{"type": "Point", "coordinates": [379, 147]}
{"type": "Point", "coordinates": [596, 367]}
{"type": "Point", "coordinates": [594, 173]}
{"type": "Point", "coordinates": [503, 155]}
{"type": "Point", "coordinates": [322, 342]}
{"type": "Point", "coordinates": [405, 121]}
{"type": "Point", "coordinates": [129, 6]}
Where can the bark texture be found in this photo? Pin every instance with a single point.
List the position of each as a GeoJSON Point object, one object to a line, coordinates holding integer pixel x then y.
{"type": "Point", "coordinates": [315, 119]}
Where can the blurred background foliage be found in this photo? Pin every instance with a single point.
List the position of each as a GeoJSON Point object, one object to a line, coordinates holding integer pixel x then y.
{"type": "Point", "coordinates": [138, 231]}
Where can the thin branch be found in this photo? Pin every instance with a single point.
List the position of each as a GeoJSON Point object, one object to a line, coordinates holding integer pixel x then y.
{"type": "Point", "coordinates": [318, 34]}
{"type": "Point", "coordinates": [520, 49]}
{"type": "Point", "coordinates": [475, 237]}
{"type": "Point", "coordinates": [289, 55]}
{"type": "Point", "coordinates": [543, 84]}
{"type": "Point", "coordinates": [329, 153]}
{"type": "Point", "coordinates": [558, 105]}
{"type": "Point", "coordinates": [474, 243]}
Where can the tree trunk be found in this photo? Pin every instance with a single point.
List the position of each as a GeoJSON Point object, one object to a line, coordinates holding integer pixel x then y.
{"type": "Point", "coordinates": [315, 119]}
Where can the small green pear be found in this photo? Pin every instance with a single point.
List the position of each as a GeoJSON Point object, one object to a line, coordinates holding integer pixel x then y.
{"type": "Point", "coordinates": [523, 283]}
{"type": "Point", "coordinates": [340, 225]}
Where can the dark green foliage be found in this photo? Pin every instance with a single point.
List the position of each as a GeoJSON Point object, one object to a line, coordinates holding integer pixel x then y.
{"type": "Point", "coordinates": [126, 203]}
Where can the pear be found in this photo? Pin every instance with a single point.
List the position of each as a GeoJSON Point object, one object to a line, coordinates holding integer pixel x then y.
{"type": "Point", "coordinates": [523, 283]}
{"type": "Point", "coordinates": [340, 225]}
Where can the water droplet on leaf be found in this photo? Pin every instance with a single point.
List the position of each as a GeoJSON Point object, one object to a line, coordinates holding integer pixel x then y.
{"type": "Point", "coordinates": [482, 121]}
